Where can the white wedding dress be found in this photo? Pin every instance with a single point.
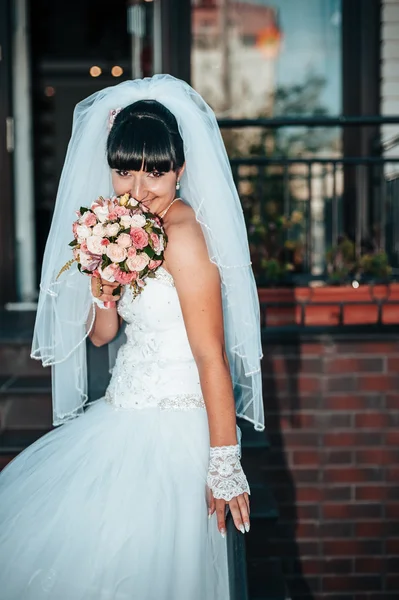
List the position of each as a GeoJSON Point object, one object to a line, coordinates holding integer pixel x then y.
{"type": "Point", "coordinates": [113, 505]}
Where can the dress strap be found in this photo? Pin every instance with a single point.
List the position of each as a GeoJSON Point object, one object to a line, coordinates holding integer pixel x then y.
{"type": "Point", "coordinates": [168, 207]}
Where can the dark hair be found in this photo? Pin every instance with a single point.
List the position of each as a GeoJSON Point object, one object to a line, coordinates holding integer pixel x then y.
{"type": "Point", "coordinates": [145, 135]}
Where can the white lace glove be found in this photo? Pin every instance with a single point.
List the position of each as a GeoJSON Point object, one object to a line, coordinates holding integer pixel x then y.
{"type": "Point", "coordinates": [226, 478]}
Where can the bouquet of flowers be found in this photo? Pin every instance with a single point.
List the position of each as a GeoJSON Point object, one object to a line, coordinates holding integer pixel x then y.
{"type": "Point", "coordinates": [119, 240]}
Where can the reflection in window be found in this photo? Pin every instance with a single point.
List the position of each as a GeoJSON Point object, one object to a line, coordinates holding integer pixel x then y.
{"type": "Point", "coordinates": [269, 58]}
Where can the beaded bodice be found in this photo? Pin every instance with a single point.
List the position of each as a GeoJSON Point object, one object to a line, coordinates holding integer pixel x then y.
{"type": "Point", "coordinates": [155, 367]}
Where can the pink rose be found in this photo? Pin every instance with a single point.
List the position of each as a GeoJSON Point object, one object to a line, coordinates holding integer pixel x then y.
{"type": "Point", "coordinates": [105, 242]}
{"type": "Point", "coordinates": [124, 278]}
{"type": "Point", "coordinates": [89, 219]}
{"type": "Point", "coordinates": [139, 237]}
{"type": "Point", "coordinates": [154, 264]}
{"type": "Point", "coordinates": [124, 240]}
{"type": "Point", "coordinates": [116, 253]}
{"type": "Point", "coordinates": [121, 210]}
{"type": "Point", "coordinates": [131, 252]}
{"type": "Point", "coordinates": [156, 242]}
{"type": "Point", "coordinates": [75, 230]}
{"type": "Point", "coordinates": [94, 244]}
{"type": "Point", "coordinates": [83, 247]}
{"type": "Point", "coordinates": [89, 262]}
{"type": "Point", "coordinates": [138, 262]}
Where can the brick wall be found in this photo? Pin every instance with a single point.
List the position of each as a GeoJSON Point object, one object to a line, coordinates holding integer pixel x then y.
{"type": "Point", "coordinates": [332, 418]}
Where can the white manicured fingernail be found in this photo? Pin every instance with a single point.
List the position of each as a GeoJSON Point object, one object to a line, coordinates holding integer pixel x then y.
{"type": "Point", "coordinates": [209, 514]}
{"type": "Point", "coordinates": [246, 525]}
{"type": "Point", "coordinates": [223, 533]}
{"type": "Point", "coordinates": [241, 528]}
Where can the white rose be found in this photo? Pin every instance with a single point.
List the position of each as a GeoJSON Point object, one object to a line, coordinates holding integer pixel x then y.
{"type": "Point", "coordinates": [116, 253]}
{"type": "Point", "coordinates": [99, 229]}
{"type": "Point", "coordinates": [124, 240]}
{"type": "Point", "coordinates": [112, 229]}
{"type": "Point", "coordinates": [107, 273]}
{"type": "Point", "coordinates": [126, 221]}
{"type": "Point", "coordinates": [138, 262]}
{"type": "Point", "coordinates": [138, 221]}
{"type": "Point", "coordinates": [94, 244]}
{"type": "Point", "coordinates": [132, 202]}
{"type": "Point", "coordinates": [83, 232]}
{"type": "Point", "coordinates": [101, 213]}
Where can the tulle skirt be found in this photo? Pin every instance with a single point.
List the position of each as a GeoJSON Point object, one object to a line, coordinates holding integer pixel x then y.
{"type": "Point", "coordinates": [112, 506]}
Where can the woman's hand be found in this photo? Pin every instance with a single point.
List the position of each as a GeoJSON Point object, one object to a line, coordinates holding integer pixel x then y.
{"type": "Point", "coordinates": [102, 289]}
{"type": "Point", "coordinates": [239, 508]}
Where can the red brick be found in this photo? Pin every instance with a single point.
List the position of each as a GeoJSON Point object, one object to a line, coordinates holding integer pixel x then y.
{"type": "Point", "coordinates": [377, 383]}
{"type": "Point", "coordinates": [351, 583]}
{"type": "Point", "coordinates": [373, 348]}
{"type": "Point", "coordinates": [370, 492]}
{"type": "Point", "coordinates": [354, 402]}
{"type": "Point", "coordinates": [369, 565]}
{"type": "Point", "coordinates": [392, 474]}
{"type": "Point", "coordinates": [392, 511]}
{"type": "Point", "coordinates": [377, 456]}
{"type": "Point", "coordinates": [347, 383]}
{"type": "Point", "coordinates": [337, 493]}
{"type": "Point", "coordinates": [369, 529]}
{"type": "Point", "coordinates": [343, 547]}
{"type": "Point", "coordinates": [287, 365]}
{"type": "Point", "coordinates": [391, 438]}
{"type": "Point", "coordinates": [338, 457]}
{"type": "Point", "coordinates": [300, 420]}
{"type": "Point", "coordinates": [392, 401]}
{"type": "Point", "coordinates": [352, 439]}
{"type": "Point", "coordinates": [352, 474]}
{"type": "Point", "coordinates": [308, 384]}
{"type": "Point", "coordinates": [301, 439]}
{"type": "Point", "coordinates": [393, 364]}
{"type": "Point", "coordinates": [309, 494]}
{"type": "Point", "coordinates": [338, 366]}
{"type": "Point", "coordinates": [334, 529]}
{"type": "Point", "coordinates": [352, 511]}
{"type": "Point", "coordinates": [306, 457]}
{"type": "Point", "coordinates": [312, 566]}
{"type": "Point", "coordinates": [371, 420]}
{"type": "Point", "coordinates": [313, 349]}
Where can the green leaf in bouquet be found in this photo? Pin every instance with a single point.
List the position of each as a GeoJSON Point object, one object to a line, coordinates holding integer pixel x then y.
{"type": "Point", "coordinates": [117, 291]}
{"type": "Point", "coordinates": [151, 274]}
{"type": "Point", "coordinates": [73, 243]}
{"type": "Point", "coordinates": [127, 230]}
{"type": "Point", "coordinates": [105, 261]}
{"type": "Point", "coordinates": [83, 209]}
{"type": "Point", "coordinates": [123, 267]}
{"type": "Point", "coordinates": [149, 251]}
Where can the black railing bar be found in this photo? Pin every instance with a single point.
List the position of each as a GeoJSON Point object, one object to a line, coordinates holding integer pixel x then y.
{"type": "Point", "coordinates": [334, 207]}
{"type": "Point", "coordinates": [347, 160]}
{"type": "Point", "coordinates": [311, 122]}
{"type": "Point", "coordinates": [309, 217]}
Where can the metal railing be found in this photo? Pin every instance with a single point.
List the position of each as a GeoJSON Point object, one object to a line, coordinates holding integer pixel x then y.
{"type": "Point", "coordinates": [319, 191]}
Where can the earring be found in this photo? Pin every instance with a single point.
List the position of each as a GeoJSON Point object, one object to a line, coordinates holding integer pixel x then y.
{"type": "Point", "coordinates": [178, 185]}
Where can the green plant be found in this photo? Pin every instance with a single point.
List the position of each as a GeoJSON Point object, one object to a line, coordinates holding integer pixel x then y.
{"type": "Point", "coordinates": [343, 264]}
{"type": "Point", "coordinates": [276, 243]}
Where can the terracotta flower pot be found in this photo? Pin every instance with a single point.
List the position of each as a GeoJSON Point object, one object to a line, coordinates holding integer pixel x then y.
{"type": "Point", "coordinates": [328, 304]}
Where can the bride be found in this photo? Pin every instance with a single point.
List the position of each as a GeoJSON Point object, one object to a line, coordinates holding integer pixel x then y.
{"type": "Point", "coordinates": [127, 500]}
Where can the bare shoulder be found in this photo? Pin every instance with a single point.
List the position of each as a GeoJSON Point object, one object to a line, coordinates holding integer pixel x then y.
{"type": "Point", "coordinates": [186, 243]}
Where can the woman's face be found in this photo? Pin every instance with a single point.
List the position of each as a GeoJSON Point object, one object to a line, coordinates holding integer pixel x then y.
{"type": "Point", "coordinates": [155, 190]}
